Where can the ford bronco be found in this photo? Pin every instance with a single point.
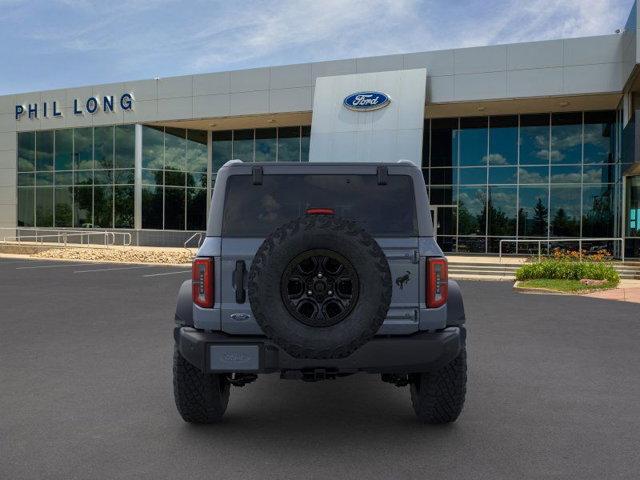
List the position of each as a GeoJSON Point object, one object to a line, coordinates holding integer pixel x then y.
{"type": "Point", "coordinates": [317, 271]}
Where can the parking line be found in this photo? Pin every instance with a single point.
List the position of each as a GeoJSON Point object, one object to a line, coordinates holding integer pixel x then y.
{"type": "Point", "coordinates": [115, 268]}
{"type": "Point", "coordinates": [166, 273]}
{"type": "Point", "coordinates": [53, 266]}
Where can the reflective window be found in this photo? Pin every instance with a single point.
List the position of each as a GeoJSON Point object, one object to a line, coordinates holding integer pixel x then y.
{"type": "Point", "coordinates": [125, 146]}
{"type": "Point", "coordinates": [289, 144]}
{"type": "Point", "coordinates": [221, 148]}
{"type": "Point", "coordinates": [305, 141]}
{"type": "Point", "coordinates": [103, 207]}
{"type": "Point", "coordinates": [83, 148]}
{"type": "Point", "coordinates": [152, 207]}
{"type": "Point", "coordinates": [501, 211]}
{"type": "Point", "coordinates": [444, 142]}
{"type": "Point", "coordinates": [152, 147]}
{"type": "Point", "coordinates": [564, 213]}
{"type": "Point", "coordinates": [26, 151]}
{"type": "Point", "coordinates": [243, 145]}
{"type": "Point", "coordinates": [533, 175]}
{"type": "Point", "coordinates": [473, 176]}
{"type": "Point", "coordinates": [266, 145]}
{"type": "Point", "coordinates": [197, 151]}
{"type": "Point", "coordinates": [566, 138]}
{"type": "Point", "coordinates": [44, 150]}
{"type": "Point", "coordinates": [503, 140]}
{"type": "Point", "coordinates": [571, 174]}
{"type": "Point", "coordinates": [175, 149]}
{"type": "Point", "coordinates": [471, 211]}
{"type": "Point", "coordinates": [444, 176]}
{"type": "Point", "coordinates": [534, 139]}
{"type": "Point", "coordinates": [599, 141]}
{"type": "Point", "coordinates": [26, 207]}
{"type": "Point", "coordinates": [473, 141]}
{"type": "Point", "coordinates": [63, 159]}
{"type": "Point", "coordinates": [103, 147]}
{"type": "Point", "coordinates": [44, 207]}
{"type": "Point", "coordinates": [597, 211]}
{"type": "Point", "coordinates": [533, 212]}
{"type": "Point", "coordinates": [498, 175]}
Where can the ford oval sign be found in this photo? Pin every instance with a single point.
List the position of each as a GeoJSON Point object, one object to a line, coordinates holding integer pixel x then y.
{"type": "Point", "coordinates": [366, 101]}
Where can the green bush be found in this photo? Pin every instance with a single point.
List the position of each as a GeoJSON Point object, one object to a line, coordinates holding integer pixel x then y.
{"type": "Point", "coordinates": [559, 269]}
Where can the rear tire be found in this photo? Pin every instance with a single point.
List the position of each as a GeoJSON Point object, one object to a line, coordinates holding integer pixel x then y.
{"type": "Point", "coordinates": [438, 397]}
{"type": "Point", "coordinates": [200, 397]}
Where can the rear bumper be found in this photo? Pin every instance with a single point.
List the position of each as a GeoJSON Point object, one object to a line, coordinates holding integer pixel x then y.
{"type": "Point", "coordinates": [218, 353]}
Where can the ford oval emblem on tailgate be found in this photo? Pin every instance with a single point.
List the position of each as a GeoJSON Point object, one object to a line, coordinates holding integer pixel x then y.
{"type": "Point", "coordinates": [240, 316]}
{"type": "Point", "coordinates": [366, 101]}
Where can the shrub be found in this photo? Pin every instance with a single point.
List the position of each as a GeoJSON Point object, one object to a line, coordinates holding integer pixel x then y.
{"type": "Point", "coordinates": [568, 270]}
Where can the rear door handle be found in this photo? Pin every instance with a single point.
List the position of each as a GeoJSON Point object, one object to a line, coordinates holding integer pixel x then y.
{"type": "Point", "coordinates": [238, 281]}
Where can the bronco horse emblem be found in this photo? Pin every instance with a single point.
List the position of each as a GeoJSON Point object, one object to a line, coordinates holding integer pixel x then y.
{"type": "Point", "coordinates": [401, 281]}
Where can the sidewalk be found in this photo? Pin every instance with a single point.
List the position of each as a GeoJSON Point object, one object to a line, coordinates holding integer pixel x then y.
{"type": "Point", "coordinates": [627, 291]}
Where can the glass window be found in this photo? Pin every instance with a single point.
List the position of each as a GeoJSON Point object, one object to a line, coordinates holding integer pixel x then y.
{"type": "Point", "coordinates": [533, 175]}
{"type": "Point", "coordinates": [604, 173]}
{"type": "Point", "coordinates": [197, 179]}
{"type": "Point", "coordinates": [597, 211]}
{"type": "Point", "coordinates": [498, 175]}
{"type": "Point", "coordinates": [174, 179]}
{"type": "Point", "coordinates": [501, 211]}
{"type": "Point", "coordinates": [196, 208]}
{"type": "Point", "coordinates": [266, 145]}
{"type": "Point", "coordinates": [473, 141]}
{"type": "Point", "coordinates": [533, 212]}
{"type": "Point", "coordinates": [103, 177]}
{"type": "Point", "coordinates": [83, 177]}
{"type": "Point", "coordinates": [83, 206]}
{"type": "Point", "coordinates": [174, 203]}
{"type": "Point", "coordinates": [472, 244]}
{"type": "Point", "coordinates": [26, 179]}
{"type": "Point", "coordinates": [471, 211]}
{"type": "Point", "coordinates": [44, 179]}
{"type": "Point", "coordinates": [103, 147]}
{"type": "Point", "coordinates": [566, 138]}
{"type": "Point", "coordinates": [441, 196]}
{"type": "Point", "coordinates": [175, 149]}
{"type": "Point", "coordinates": [599, 140]}
{"type": "Point", "coordinates": [26, 205]}
{"type": "Point", "coordinates": [152, 207]}
{"type": "Point", "coordinates": [64, 149]}
{"type": "Point", "coordinates": [221, 149]}
{"type": "Point", "coordinates": [444, 142]}
{"type": "Point", "coordinates": [126, 176]}
{"type": "Point", "coordinates": [44, 207]}
{"type": "Point", "coordinates": [44, 150]}
{"type": "Point", "coordinates": [632, 227]}
{"type": "Point", "coordinates": [564, 212]}
{"type": "Point", "coordinates": [534, 139]}
{"type": "Point", "coordinates": [64, 178]}
{"type": "Point", "coordinates": [444, 176]}
{"type": "Point", "coordinates": [289, 144]}
{"type": "Point", "coordinates": [125, 146]}
{"type": "Point", "coordinates": [503, 140]}
{"type": "Point", "coordinates": [123, 206]}
{"type": "Point", "coordinates": [152, 177]}
{"type": "Point", "coordinates": [243, 145]}
{"type": "Point", "coordinates": [26, 151]}
{"type": "Point", "coordinates": [252, 210]}
{"type": "Point", "coordinates": [103, 207]}
{"type": "Point", "coordinates": [305, 140]}
{"type": "Point", "coordinates": [473, 176]}
{"type": "Point", "coordinates": [83, 148]}
{"type": "Point", "coordinates": [197, 151]}
{"type": "Point", "coordinates": [64, 206]}
{"type": "Point", "coordinates": [152, 147]}
{"type": "Point", "coordinates": [571, 174]}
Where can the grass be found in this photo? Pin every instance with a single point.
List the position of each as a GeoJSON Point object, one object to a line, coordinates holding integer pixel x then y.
{"type": "Point", "coordinates": [563, 285]}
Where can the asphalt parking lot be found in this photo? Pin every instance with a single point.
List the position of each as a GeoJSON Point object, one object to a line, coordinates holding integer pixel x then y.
{"type": "Point", "coordinates": [85, 392]}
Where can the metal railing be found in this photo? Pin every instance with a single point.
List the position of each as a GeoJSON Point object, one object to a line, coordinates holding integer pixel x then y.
{"type": "Point", "coordinates": [549, 242]}
{"type": "Point", "coordinates": [198, 235]}
{"type": "Point", "coordinates": [68, 237]}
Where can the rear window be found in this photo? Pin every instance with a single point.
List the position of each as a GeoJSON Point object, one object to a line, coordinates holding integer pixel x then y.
{"type": "Point", "coordinates": [382, 210]}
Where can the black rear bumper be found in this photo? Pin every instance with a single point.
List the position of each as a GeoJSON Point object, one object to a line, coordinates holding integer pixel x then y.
{"type": "Point", "coordinates": [218, 352]}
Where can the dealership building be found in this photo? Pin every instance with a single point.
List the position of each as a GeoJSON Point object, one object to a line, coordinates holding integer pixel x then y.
{"type": "Point", "coordinates": [525, 141]}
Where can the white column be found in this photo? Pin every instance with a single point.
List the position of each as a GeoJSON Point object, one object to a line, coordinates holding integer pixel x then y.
{"type": "Point", "coordinates": [137, 196]}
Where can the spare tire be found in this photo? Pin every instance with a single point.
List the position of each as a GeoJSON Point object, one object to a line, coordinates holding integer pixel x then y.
{"type": "Point", "coordinates": [320, 287]}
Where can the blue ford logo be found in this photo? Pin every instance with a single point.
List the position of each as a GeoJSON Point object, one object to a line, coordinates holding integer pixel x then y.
{"type": "Point", "coordinates": [366, 101]}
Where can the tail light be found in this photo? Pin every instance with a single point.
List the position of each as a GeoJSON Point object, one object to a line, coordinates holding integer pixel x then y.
{"type": "Point", "coordinates": [202, 282]}
{"type": "Point", "coordinates": [437, 282]}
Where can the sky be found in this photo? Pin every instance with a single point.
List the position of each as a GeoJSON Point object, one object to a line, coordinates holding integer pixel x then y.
{"type": "Point", "coordinates": [48, 44]}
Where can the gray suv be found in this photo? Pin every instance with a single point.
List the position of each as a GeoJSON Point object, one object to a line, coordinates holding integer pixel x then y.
{"type": "Point", "coordinates": [317, 271]}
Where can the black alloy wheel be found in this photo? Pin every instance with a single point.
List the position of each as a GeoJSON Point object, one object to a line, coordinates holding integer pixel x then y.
{"type": "Point", "coordinates": [319, 288]}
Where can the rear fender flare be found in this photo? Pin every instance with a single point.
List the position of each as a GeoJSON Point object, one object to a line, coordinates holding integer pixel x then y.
{"type": "Point", "coordinates": [184, 306]}
{"type": "Point", "coordinates": [455, 306]}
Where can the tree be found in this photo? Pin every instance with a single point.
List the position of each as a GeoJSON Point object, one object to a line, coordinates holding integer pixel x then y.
{"type": "Point", "coordinates": [539, 222]}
